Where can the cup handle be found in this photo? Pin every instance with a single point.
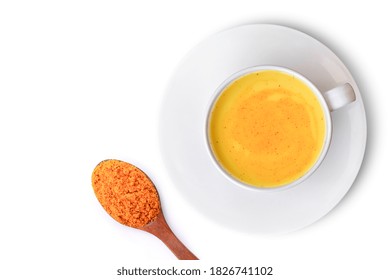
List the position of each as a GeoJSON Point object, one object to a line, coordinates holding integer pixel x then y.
{"type": "Point", "coordinates": [339, 96]}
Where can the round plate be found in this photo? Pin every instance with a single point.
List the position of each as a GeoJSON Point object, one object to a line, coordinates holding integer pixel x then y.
{"type": "Point", "coordinates": [182, 127]}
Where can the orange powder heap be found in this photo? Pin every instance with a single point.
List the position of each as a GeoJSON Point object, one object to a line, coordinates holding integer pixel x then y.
{"type": "Point", "coordinates": [126, 193]}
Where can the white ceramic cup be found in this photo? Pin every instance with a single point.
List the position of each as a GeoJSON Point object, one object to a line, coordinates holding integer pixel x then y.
{"type": "Point", "coordinates": [330, 100]}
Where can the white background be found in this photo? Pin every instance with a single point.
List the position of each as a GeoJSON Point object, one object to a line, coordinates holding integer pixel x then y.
{"type": "Point", "coordinates": [82, 81]}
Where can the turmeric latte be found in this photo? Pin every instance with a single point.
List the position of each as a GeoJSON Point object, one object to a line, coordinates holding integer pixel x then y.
{"type": "Point", "coordinates": [267, 128]}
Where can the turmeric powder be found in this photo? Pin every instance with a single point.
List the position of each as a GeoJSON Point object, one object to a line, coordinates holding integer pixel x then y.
{"type": "Point", "coordinates": [126, 193]}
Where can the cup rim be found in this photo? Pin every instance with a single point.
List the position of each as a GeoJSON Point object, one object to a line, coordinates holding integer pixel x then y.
{"type": "Point", "coordinates": [320, 98]}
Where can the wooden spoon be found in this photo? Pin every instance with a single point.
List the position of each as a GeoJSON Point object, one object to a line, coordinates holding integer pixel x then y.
{"type": "Point", "coordinates": [130, 197]}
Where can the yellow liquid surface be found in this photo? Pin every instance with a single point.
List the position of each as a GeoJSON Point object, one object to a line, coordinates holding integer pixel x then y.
{"type": "Point", "coordinates": [267, 128]}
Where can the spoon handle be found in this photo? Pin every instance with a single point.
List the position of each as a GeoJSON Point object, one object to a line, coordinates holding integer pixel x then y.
{"type": "Point", "coordinates": [161, 230]}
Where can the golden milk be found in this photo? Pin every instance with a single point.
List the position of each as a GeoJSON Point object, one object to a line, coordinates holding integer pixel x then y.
{"type": "Point", "coordinates": [267, 128]}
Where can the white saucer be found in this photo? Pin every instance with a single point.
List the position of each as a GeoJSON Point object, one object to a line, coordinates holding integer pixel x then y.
{"type": "Point", "coordinates": [182, 126]}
